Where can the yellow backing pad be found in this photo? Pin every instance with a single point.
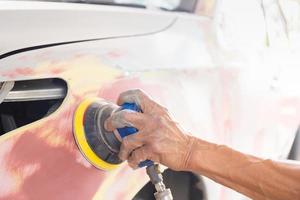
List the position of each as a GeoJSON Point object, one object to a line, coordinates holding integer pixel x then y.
{"type": "Point", "coordinates": [78, 129]}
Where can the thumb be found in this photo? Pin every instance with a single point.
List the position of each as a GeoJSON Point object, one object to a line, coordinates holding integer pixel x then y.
{"type": "Point", "coordinates": [108, 125]}
{"type": "Point", "coordinates": [118, 120]}
{"type": "Point", "coordinates": [124, 118]}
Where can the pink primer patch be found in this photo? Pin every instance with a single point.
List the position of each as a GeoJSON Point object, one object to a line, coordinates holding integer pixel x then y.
{"type": "Point", "coordinates": [9, 185]}
{"type": "Point", "coordinates": [115, 54]}
{"type": "Point", "coordinates": [56, 70]}
{"type": "Point", "coordinates": [25, 71]}
{"type": "Point", "coordinates": [54, 171]}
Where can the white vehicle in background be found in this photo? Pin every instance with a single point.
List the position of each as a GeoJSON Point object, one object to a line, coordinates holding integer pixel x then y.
{"type": "Point", "coordinates": [219, 84]}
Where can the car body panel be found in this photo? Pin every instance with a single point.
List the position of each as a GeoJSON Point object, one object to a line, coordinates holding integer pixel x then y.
{"type": "Point", "coordinates": [45, 23]}
{"type": "Point", "coordinates": [251, 108]}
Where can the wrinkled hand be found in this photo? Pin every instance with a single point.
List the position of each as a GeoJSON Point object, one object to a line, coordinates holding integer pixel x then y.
{"type": "Point", "coordinates": [159, 138]}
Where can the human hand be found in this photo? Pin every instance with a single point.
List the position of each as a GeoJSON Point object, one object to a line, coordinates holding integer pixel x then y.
{"type": "Point", "coordinates": [159, 137]}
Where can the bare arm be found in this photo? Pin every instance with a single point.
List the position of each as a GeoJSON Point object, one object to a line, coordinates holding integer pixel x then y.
{"type": "Point", "coordinates": [252, 176]}
{"type": "Point", "coordinates": [162, 140]}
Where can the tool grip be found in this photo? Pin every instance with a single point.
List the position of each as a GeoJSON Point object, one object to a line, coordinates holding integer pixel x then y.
{"type": "Point", "coordinates": [132, 130]}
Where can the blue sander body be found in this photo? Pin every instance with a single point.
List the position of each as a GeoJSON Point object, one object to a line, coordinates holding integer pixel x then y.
{"type": "Point", "coordinates": [101, 147]}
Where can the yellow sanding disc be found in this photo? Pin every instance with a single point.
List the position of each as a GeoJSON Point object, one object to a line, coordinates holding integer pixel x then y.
{"type": "Point", "coordinates": [81, 140]}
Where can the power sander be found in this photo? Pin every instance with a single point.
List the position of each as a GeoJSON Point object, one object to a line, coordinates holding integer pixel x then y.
{"type": "Point", "coordinates": [101, 147]}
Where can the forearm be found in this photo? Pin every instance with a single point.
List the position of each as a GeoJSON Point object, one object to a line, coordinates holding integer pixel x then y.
{"type": "Point", "coordinates": [241, 189]}
{"type": "Point", "coordinates": [161, 140]}
{"type": "Point", "coordinates": [252, 176]}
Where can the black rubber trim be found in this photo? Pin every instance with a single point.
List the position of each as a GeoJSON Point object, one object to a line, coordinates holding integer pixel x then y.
{"type": "Point", "coordinates": [32, 48]}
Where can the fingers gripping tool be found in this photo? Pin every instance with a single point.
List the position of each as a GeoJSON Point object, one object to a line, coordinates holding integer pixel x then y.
{"type": "Point", "coordinates": [153, 171]}
{"type": "Point", "coordinates": [101, 147]}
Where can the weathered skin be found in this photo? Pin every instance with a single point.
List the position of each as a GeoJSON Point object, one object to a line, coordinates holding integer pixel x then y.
{"type": "Point", "coordinates": [255, 177]}
{"type": "Point", "coordinates": [161, 140]}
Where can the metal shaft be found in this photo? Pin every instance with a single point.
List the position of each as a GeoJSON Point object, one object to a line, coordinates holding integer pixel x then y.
{"type": "Point", "coordinates": [162, 193]}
